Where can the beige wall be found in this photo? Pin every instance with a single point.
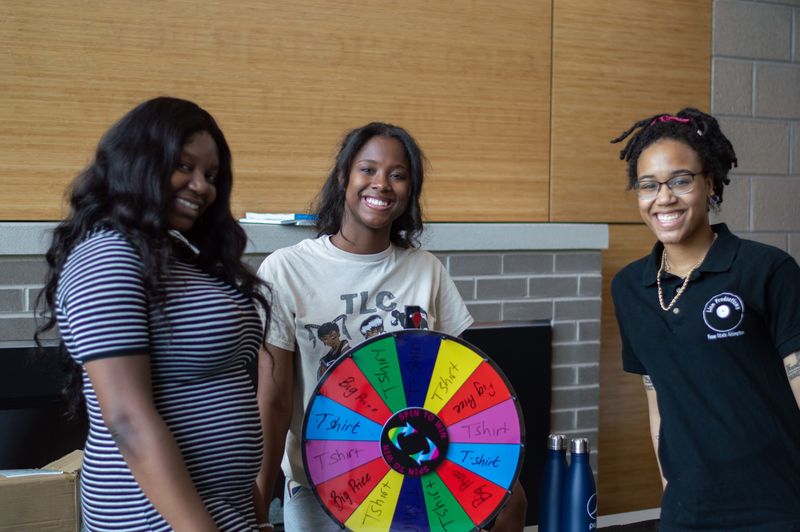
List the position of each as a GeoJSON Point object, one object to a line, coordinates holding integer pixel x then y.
{"type": "Point", "coordinates": [472, 81]}
{"type": "Point", "coordinates": [615, 63]}
{"type": "Point", "coordinates": [285, 80]}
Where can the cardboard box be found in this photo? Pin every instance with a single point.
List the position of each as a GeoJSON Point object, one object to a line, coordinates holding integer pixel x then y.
{"type": "Point", "coordinates": [41, 501]}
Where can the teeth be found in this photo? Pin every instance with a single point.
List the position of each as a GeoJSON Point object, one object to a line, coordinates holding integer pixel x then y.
{"type": "Point", "coordinates": [376, 202]}
{"type": "Point", "coordinates": [668, 217]}
{"type": "Point", "coordinates": [188, 204]}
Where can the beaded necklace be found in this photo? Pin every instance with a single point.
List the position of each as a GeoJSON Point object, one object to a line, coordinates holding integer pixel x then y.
{"type": "Point", "coordinates": [683, 286]}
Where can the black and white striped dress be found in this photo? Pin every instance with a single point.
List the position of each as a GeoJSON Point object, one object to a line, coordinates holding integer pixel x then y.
{"type": "Point", "coordinates": [201, 387]}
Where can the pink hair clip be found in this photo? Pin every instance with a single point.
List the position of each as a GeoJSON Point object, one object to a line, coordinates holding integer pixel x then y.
{"type": "Point", "coordinates": [669, 118]}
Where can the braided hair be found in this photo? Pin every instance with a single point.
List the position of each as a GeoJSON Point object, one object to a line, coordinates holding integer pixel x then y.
{"type": "Point", "coordinates": [696, 129]}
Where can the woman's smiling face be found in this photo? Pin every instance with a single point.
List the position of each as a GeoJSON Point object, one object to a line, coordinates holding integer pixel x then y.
{"type": "Point", "coordinates": [674, 219]}
{"type": "Point", "coordinates": [193, 182]}
{"type": "Point", "coordinates": [378, 188]}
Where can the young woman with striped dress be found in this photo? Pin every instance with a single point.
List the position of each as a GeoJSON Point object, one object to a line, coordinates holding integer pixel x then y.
{"type": "Point", "coordinates": [159, 319]}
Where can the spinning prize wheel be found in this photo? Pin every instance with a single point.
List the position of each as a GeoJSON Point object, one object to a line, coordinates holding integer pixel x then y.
{"type": "Point", "coordinates": [413, 430]}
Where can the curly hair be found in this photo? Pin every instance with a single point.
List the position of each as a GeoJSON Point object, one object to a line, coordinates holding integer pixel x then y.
{"type": "Point", "coordinates": [696, 129]}
{"type": "Point", "coordinates": [127, 188]}
{"type": "Point", "coordinates": [329, 206]}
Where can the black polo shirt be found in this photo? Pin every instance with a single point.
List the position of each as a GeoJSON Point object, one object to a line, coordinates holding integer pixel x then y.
{"type": "Point", "coordinates": [729, 443]}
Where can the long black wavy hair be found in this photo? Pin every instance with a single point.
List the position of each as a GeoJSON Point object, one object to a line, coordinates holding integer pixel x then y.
{"type": "Point", "coordinates": [696, 129]}
{"type": "Point", "coordinates": [127, 188]}
{"type": "Point", "coordinates": [329, 207]}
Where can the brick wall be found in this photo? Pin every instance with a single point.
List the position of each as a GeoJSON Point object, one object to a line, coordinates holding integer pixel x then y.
{"type": "Point", "coordinates": [20, 281]}
{"type": "Point", "coordinates": [756, 96]}
{"type": "Point", "coordinates": [562, 287]}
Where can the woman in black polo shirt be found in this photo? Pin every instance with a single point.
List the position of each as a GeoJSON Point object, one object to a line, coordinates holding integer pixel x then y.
{"type": "Point", "coordinates": [712, 323]}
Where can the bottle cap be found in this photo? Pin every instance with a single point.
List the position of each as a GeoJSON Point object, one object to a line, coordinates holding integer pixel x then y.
{"type": "Point", "coordinates": [557, 442]}
{"type": "Point", "coordinates": [579, 446]}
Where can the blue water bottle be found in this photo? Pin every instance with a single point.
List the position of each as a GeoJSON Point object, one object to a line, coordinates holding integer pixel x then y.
{"type": "Point", "coordinates": [555, 470]}
{"type": "Point", "coordinates": [579, 498]}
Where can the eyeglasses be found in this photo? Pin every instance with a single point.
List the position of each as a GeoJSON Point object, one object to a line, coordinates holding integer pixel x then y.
{"type": "Point", "coordinates": [648, 189]}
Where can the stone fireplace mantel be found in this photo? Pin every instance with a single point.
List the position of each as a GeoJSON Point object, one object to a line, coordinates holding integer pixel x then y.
{"type": "Point", "coordinates": [31, 238]}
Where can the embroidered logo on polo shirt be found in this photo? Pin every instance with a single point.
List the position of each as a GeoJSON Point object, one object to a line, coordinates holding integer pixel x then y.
{"type": "Point", "coordinates": [723, 313]}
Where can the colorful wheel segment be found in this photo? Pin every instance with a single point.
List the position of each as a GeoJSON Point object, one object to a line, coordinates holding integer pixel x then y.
{"type": "Point", "coordinates": [413, 430]}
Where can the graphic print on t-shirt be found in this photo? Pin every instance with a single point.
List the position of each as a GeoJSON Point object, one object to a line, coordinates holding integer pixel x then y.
{"type": "Point", "coordinates": [372, 326]}
{"type": "Point", "coordinates": [331, 336]}
{"type": "Point", "coordinates": [335, 339]}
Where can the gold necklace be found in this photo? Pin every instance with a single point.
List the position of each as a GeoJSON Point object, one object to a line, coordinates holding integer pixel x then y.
{"type": "Point", "coordinates": [682, 288]}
